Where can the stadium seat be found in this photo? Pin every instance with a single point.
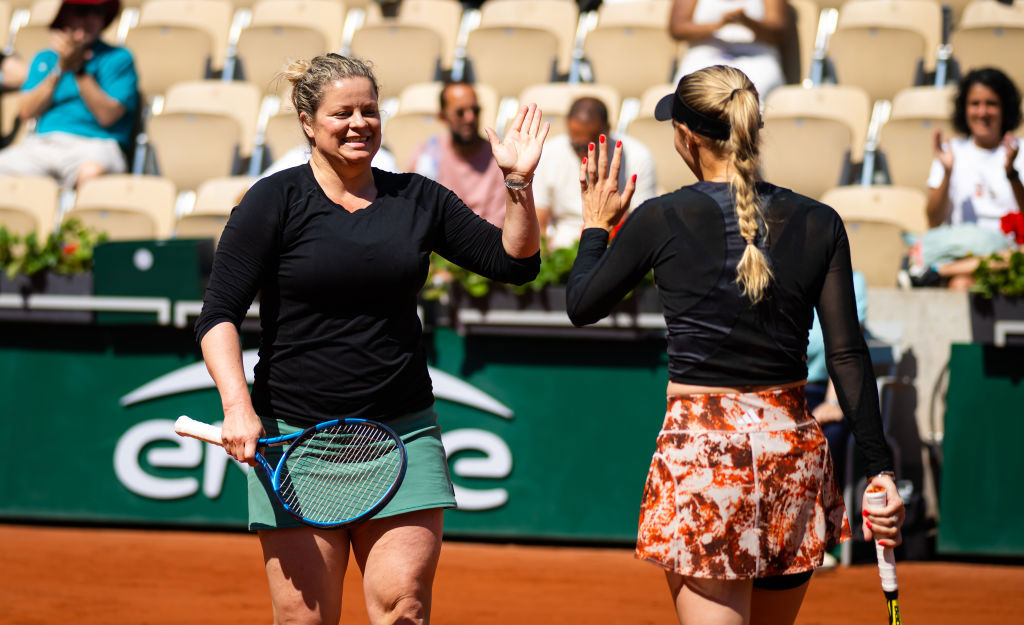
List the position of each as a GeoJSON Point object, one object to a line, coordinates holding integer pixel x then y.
{"type": "Point", "coordinates": [28, 204]}
{"type": "Point", "coordinates": [907, 138]}
{"type": "Point", "coordinates": [402, 54]}
{"type": "Point", "coordinates": [177, 41]}
{"type": "Point", "coordinates": [811, 136]}
{"type": "Point", "coordinates": [5, 21]}
{"type": "Point", "coordinates": [801, 44]}
{"type": "Point", "coordinates": [659, 138]}
{"type": "Point", "coordinates": [877, 249]}
{"type": "Point", "coordinates": [282, 30]}
{"type": "Point", "coordinates": [901, 36]}
{"type": "Point", "coordinates": [559, 17]}
{"type": "Point", "coordinates": [214, 200]}
{"type": "Point", "coordinates": [990, 34]}
{"type": "Point", "coordinates": [206, 129]}
{"type": "Point", "coordinates": [903, 206]}
{"type": "Point", "coordinates": [283, 131]}
{"type": "Point", "coordinates": [442, 16]}
{"type": "Point", "coordinates": [126, 206]}
{"type": "Point", "coordinates": [34, 35]}
{"type": "Point", "coordinates": [489, 49]}
{"type": "Point", "coordinates": [630, 48]}
{"type": "Point", "coordinates": [555, 98]}
{"type": "Point", "coordinates": [12, 129]}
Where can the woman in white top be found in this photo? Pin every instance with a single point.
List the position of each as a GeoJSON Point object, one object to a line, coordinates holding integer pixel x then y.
{"type": "Point", "coordinates": [744, 34]}
{"type": "Point", "coordinates": [975, 178]}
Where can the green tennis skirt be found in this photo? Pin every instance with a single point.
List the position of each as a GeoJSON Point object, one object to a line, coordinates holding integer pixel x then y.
{"type": "Point", "coordinates": [426, 484]}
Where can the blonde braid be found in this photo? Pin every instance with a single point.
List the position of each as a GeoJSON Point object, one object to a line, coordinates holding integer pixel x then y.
{"type": "Point", "coordinates": [726, 93]}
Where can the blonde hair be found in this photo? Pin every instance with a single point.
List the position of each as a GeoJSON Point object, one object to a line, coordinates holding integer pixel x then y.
{"type": "Point", "coordinates": [310, 78]}
{"type": "Point", "coordinates": [725, 93]}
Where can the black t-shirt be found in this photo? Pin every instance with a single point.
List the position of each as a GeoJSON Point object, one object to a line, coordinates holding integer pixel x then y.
{"type": "Point", "coordinates": [340, 335]}
{"type": "Point", "coordinates": [716, 337]}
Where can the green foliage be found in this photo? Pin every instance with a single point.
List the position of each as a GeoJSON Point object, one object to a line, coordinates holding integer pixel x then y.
{"type": "Point", "coordinates": [997, 274]}
{"type": "Point", "coordinates": [555, 266]}
{"type": "Point", "coordinates": [66, 251]}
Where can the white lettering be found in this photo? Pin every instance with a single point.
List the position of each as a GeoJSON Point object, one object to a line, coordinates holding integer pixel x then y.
{"type": "Point", "coordinates": [185, 454]}
{"type": "Point", "coordinates": [496, 463]}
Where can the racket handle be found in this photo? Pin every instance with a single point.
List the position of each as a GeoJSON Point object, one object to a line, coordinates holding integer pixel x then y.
{"type": "Point", "coordinates": [185, 426]}
{"type": "Point", "coordinates": [886, 559]}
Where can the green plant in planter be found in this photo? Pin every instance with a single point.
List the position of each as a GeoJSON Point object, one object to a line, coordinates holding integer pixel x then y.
{"type": "Point", "coordinates": [1000, 275]}
{"type": "Point", "coordinates": [68, 250]}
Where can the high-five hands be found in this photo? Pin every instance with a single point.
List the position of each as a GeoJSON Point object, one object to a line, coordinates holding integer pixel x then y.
{"type": "Point", "coordinates": [603, 205]}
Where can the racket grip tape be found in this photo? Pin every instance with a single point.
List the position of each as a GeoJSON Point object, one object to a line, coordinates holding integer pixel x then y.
{"type": "Point", "coordinates": [185, 426]}
{"type": "Point", "coordinates": [886, 559]}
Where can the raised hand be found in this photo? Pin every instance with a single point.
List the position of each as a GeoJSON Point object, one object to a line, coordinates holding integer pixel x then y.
{"type": "Point", "coordinates": [603, 205]}
{"type": "Point", "coordinates": [518, 154]}
{"type": "Point", "coordinates": [1012, 147]}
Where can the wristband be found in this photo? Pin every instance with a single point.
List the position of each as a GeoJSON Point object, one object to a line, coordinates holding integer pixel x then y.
{"type": "Point", "coordinates": [1011, 174]}
{"type": "Point", "coordinates": [518, 186]}
{"type": "Point", "coordinates": [890, 474]}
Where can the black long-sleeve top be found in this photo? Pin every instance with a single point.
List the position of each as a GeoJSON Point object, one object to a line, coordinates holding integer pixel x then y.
{"type": "Point", "coordinates": [340, 336]}
{"type": "Point", "coordinates": [716, 337]}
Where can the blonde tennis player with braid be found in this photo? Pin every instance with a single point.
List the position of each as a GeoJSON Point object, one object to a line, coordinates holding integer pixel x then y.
{"type": "Point", "coordinates": [740, 503]}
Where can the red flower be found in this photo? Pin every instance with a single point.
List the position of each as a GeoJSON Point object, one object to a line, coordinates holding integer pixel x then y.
{"type": "Point", "coordinates": [1013, 223]}
{"type": "Point", "coordinates": [70, 248]}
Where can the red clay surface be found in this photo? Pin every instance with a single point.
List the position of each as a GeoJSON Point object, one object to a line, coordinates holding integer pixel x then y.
{"type": "Point", "coordinates": [65, 576]}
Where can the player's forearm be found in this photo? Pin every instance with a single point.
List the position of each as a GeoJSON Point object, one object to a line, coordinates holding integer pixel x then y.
{"type": "Point", "coordinates": [222, 352]}
{"type": "Point", "coordinates": [520, 234]}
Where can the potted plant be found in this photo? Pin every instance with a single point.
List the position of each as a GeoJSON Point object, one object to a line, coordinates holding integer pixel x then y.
{"type": "Point", "coordinates": [997, 297]}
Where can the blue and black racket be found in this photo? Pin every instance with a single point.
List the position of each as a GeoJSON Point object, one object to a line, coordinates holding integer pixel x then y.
{"type": "Point", "coordinates": [332, 474]}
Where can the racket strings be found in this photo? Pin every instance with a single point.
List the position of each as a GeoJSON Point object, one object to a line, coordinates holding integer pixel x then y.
{"type": "Point", "coordinates": [338, 473]}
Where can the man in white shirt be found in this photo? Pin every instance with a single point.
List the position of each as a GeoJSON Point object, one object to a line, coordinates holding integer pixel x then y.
{"type": "Point", "coordinates": [556, 183]}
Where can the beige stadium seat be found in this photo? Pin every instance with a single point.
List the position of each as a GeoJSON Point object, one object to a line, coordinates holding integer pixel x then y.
{"type": "Point", "coordinates": [28, 204]}
{"type": "Point", "coordinates": [991, 34]}
{"type": "Point", "coordinates": [12, 129]}
{"type": "Point", "coordinates": [5, 21]}
{"type": "Point", "coordinates": [283, 131]}
{"type": "Point", "coordinates": [878, 44]}
{"type": "Point", "coordinates": [555, 98]}
{"type": "Point", "coordinates": [490, 48]}
{"type": "Point", "coordinates": [798, 50]}
{"type": "Point", "coordinates": [126, 206]}
{"type": "Point", "coordinates": [402, 55]}
{"type": "Point", "coordinates": [659, 138]}
{"type": "Point", "coordinates": [630, 48]}
{"type": "Point", "coordinates": [285, 30]}
{"type": "Point", "coordinates": [877, 249]}
{"type": "Point", "coordinates": [205, 128]}
{"type": "Point", "coordinates": [906, 139]}
{"type": "Point", "coordinates": [214, 200]}
{"type": "Point", "coordinates": [417, 118]}
{"type": "Point", "coordinates": [442, 16]}
{"type": "Point", "coordinates": [178, 40]}
{"type": "Point", "coordinates": [903, 206]}
{"type": "Point", "coordinates": [559, 17]}
{"type": "Point", "coordinates": [811, 135]}
{"type": "Point", "coordinates": [35, 34]}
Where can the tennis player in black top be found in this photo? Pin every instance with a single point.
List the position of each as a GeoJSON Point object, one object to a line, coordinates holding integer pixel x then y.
{"type": "Point", "coordinates": [338, 251]}
{"type": "Point", "coordinates": [740, 502]}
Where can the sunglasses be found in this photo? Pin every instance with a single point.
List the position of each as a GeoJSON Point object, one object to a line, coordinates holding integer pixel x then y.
{"type": "Point", "coordinates": [461, 112]}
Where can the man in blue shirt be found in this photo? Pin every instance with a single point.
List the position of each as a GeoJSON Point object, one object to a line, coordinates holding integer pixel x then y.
{"type": "Point", "coordinates": [84, 94]}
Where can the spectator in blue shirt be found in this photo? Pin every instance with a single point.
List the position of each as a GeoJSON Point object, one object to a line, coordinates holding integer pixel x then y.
{"type": "Point", "coordinates": [84, 95]}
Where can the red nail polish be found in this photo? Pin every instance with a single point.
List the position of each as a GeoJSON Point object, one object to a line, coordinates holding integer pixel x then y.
{"type": "Point", "coordinates": [864, 512]}
{"type": "Point", "coordinates": [584, 160]}
{"type": "Point", "coordinates": [602, 139]}
{"type": "Point", "coordinates": [618, 144]}
{"type": "Point", "coordinates": [868, 523]}
{"type": "Point", "coordinates": [634, 177]}
{"type": "Point", "coordinates": [591, 146]}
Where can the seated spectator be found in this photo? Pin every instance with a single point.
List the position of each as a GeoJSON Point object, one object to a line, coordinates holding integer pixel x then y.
{"type": "Point", "coordinates": [461, 159]}
{"type": "Point", "coordinates": [84, 95]}
{"type": "Point", "coordinates": [745, 34]}
{"type": "Point", "coordinates": [975, 180]}
{"type": "Point", "coordinates": [556, 184]}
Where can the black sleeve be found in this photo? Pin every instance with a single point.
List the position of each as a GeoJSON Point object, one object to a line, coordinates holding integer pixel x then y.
{"type": "Point", "coordinates": [247, 246]}
{"type": "Point", "coordinates": [475, 244]}
{"type": "Point", "coordinates": [847, 358]}
{"type": "Point", "coordinates": [602, 275]}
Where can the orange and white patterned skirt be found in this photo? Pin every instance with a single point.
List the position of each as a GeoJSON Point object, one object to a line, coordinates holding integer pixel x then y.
{"type": "Point", "coordinates": [741, 486]}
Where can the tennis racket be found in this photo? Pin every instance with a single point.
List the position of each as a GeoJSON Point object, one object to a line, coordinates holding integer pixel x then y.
{"type": "Point", "coordinates": [886, 562]}
{"type": "Point", "coordinates": [332, 474]}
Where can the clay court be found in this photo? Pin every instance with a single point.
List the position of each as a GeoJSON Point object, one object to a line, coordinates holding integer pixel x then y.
{"type": "Point", "coordinates": [89, 576]}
